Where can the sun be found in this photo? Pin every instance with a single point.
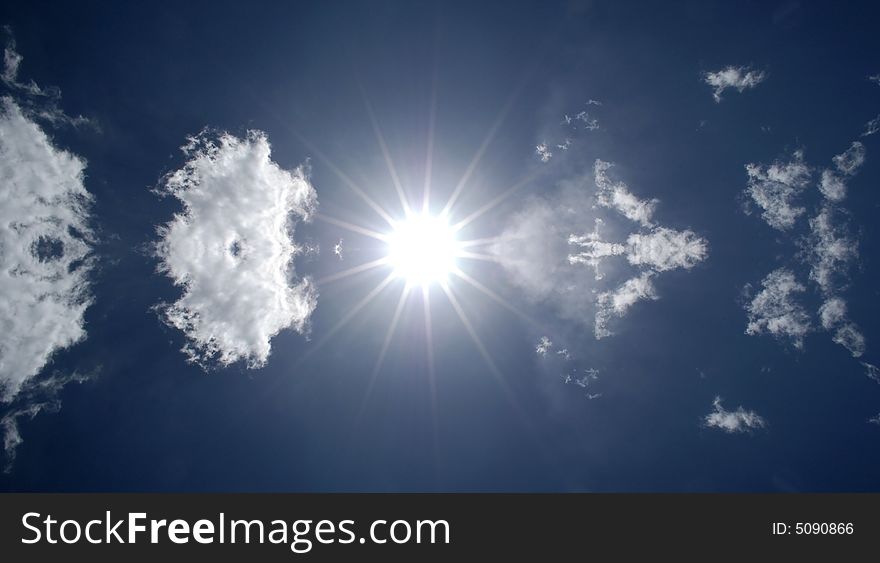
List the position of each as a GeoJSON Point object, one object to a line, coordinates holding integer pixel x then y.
{"type": "Point", "coordinates": [422, 249]}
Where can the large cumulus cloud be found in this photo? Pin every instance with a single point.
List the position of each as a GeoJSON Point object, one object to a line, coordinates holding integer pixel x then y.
{"type": "Point", "coordinates": [44, 249]}
{"type": "Point", "coordinates": [231, 249]}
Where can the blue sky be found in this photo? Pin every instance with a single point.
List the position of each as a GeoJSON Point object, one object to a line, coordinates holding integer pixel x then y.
{"type": "Point", "coordinates": [121, 408]}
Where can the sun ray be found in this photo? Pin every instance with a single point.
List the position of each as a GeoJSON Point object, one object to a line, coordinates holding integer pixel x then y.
{"type": "Point", "coordinates": [351, 227]}
{"type": "Point", "coordinates": [347, 181]}
{"type": "Point", "coordinates": [497, 375]}
{"type": "Point", "coordinates": [490, 136]}
{"type": "Point", "coordinates": [404, 293]}
{"type": "Point", "coordinates": [432, 380]}
{"type": "Point", "coordinates": [398, 187]}
{"type": "Point", "coordinates": [477, 256]}
{"type": "Point", "coordinates": [429, 156]}
{"type": "Point", "coordinates": [350, 315]}
{"type": "Point", "coordinates": [473, 334]}
{"type": "Point", "coordinates": [494, 202]}
{"type": "Point", "coordinates": [429, 335]}
{"type": "Point", "coordinates": [352, 271]}
{"type": "Point", "coordinates": [494, 296]}
{"type": "Point", "coordinates": [478, 242]}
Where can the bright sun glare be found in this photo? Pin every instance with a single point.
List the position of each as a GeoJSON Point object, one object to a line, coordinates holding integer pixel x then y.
{"type": "Point", "coordinates": [422, 249]}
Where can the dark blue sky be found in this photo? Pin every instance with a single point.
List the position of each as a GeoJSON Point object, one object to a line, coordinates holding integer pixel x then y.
{"type": "Point", "coordinates": [150, 75]}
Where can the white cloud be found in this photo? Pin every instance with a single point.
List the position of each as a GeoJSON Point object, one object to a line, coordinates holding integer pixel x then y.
{"type": "Point", "coordinates": [849, 161]}
{"type": "Point", "coordinates": [872, 371]}
{"type": "Point", "coordinates": [337, 249]}
{"type": "Point", "coordinates": [536, 250]}
{"type": "Point", "coordinates": [829, 250]}
{"type": "Point", "coordinates": [849, 336]}
{"type": "Point", "coordinates": [872, 127]}
{"type": "Point", "coordinates": [660, 249]}
{"type": "Point", "coordinates": [774, 188]}
{"type": "Point", "coordinates": [665, 249]}
{"type": "Point", "coordinates": [832, 313]}
{"type": "Point", "coordinates": [833, 317]}
{"type": "Point", "coordinates": [832, 185]}
{"type": "Point", "coordinates": [616, 303]}
{"type": "Point", "coordinates": [774, 310]}
{"type": "Point", "coordinates": [616, 195]}
{"type": "Point", "coordinates": [543, 152]}
{"type": "Point", "coordinates": [231, 249]}
{"type": "Point", "coordinates": [592, 250]}
{"type": "Point", "coordinates": [587, 121]}
{"type": "Point", "coordinates": [533, 250]}
{"type": "Point", "coordinates": [656, 250]}
{"type": "Point", "coordinates": [738, 77]}
{"type": "Point", "coordinates": [875, 419]}
{"type": "Point", "coordinates": [44, 249]}
{"type": "Point", "coordinates": [544, 346]}
{"type": "Point", "coordinates": [739, 420]}
{"type": "Point", "coordinates": [875, 78]}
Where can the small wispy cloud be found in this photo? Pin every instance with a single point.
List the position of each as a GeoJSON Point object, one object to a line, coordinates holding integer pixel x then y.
{"type": "Point", "coordinates": [775, 311]}
{"type": "Point", "coordinates": [542, 249]}
{"type": "Point", "coordinates": [735, 421]}
{"type": "Point", "coordinates": [585, 379]}
{"type": "Point", "coordinates": [832, 186]}
{"type": "Point", "coordinates": [12, 60]}
{"type": "Point", "coordinates": [775, 187]}
{"type": "Point", "coordinates": [849, 161]}
{"type": "Point", "coordinates": [665, 249]}
{"type": "Point", "coordinates": [660, 249]}
{"type": "Point", "coordinates": [36, 102]}
{"type": "Point", "coordinates": [582, 120]}
{"type": "Point", "coordinates": [543, 152]}
{"type": "Point", "coordinates": [617, 302]}
{"type": "Point", "coordinates": [875, 78]}
{"type": "Point", "coordinates": [616, 195]}
{"type": "Point", "coordinates": [592, 250]}
{"type": "Point", "coordinates": [739, 78]}
{"type": "Point", "coordinates": [829, 249]}
{"type": "Point", "coordinates": [833, 317]}
{"type": "Point", "coordinates": [37, 395]}
{"type": "Point", "coordinates": [565, 145]}
{"type": "Point", "coordinates": [231, 249]}
{"type": "Point", "coordinates": [544, 346]}
{"type": "Point", "coordinates": [338, 249]}
{"type": "Point", "coordinates": [874, 420]}
{"type": "Point", "coordinates": [833, 182]}
{"type": "Point", "coordinates": [653, 249]}
{"type": "Point", "coordinates": [872, 371]}
{"type": "Point", "coordinates": [871, 127]}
